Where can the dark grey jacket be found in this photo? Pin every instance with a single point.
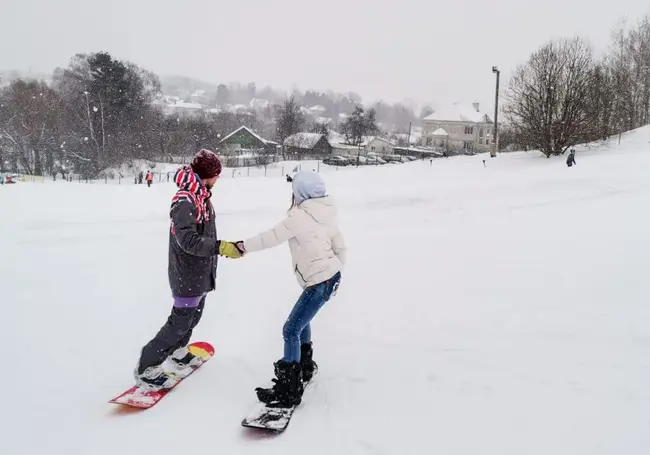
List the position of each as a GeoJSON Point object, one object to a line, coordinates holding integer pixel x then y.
{"type": "Point", "coordinates": [193, 244]}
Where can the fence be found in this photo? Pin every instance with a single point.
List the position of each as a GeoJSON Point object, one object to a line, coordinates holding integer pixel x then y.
{"type": "Point", "coordinates": [168, 177]}
{"type": "Point", "coordinates": [274, 170]}
{"type": "Point", "coordinates": [31, 178]}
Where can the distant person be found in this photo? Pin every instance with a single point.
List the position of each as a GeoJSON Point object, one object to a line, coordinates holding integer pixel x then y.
{"type": "Point", "coordinates": [192, 270]}
{"type": "Point", "coordinates": [571, 159]}
{"type": "Point", "coordinates": [149, 178]}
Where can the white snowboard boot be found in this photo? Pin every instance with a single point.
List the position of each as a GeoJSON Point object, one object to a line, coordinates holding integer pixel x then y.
{"type": "Point", "coordinates": [182, 358]}
{"type": "Point", "coordinates": [154, 378]}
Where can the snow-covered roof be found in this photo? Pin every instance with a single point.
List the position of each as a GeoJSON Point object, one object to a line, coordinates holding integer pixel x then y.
{"type": "Point", "coordinates": [368, 139]}
{"type": "Point", "coordinates": [166, 99]}
{"type": "Point", "coordinates": [259, 103]}
{"type": "Point", "coordinates": [303, 140]}
{"type": "Point", "coordinates": [184, 105]}
{"type": "Point", "coordinates": [235, 108]}
{"type": "Point", "coordinates": [339, 139]}
{"type": "Point", "coordinates": [256, 136]}
{"type": "Point", "coordinates": [336, 137]}
{"type": "Point", "coordinates": [440, 132]}
{"type": "Point", "coordinates": [317, 108]}
{"type": "Point", "coordinates": [413, 139]}
{"type": "Point", "coordinates": [458, 112]}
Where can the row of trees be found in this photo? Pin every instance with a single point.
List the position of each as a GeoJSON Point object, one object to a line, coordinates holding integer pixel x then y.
{"type": "Point", "coordinates": [564, 95]}
{"type": "Point", "coordinates": [94, 113]}
{"type": "Point", "coordinates": [290, 120]}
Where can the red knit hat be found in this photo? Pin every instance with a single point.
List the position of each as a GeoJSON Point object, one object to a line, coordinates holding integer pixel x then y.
{"type": "Point", "coordinates": [206, 164]}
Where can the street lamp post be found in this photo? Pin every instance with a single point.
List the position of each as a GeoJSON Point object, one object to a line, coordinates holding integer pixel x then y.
{"type": "Point", "coordinates": [495, 69]}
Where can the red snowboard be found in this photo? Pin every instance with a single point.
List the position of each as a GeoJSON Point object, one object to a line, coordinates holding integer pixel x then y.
{"type": "Point", "coordinates": [142, 398]}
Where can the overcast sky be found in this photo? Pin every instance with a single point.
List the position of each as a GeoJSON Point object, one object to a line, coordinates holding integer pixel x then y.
{"type": "Point", "coordinates": [428, 50]}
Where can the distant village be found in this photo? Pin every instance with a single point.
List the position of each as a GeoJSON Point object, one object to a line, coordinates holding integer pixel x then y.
{"type": "Point", "coordinates": [449, 130]}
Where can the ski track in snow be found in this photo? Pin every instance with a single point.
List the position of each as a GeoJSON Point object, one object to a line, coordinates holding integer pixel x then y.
{"type": "Point", "coordinates": [500, 310]}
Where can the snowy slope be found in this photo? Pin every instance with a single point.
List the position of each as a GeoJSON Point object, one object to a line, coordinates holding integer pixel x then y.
{"type": "Point", "coordinates": [485, 310]}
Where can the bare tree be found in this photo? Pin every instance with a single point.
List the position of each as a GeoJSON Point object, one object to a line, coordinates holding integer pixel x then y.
{"type": "Point", "coordinates": [289, 119]}
{"type": "Point", "coordinates": [602, 101]}
{"type": "Point", "coordinates": [629, 62]}
{"type": "Point", "coordinates": [29, 126]}
{"type": "Point", "coordinates": [548, 101]}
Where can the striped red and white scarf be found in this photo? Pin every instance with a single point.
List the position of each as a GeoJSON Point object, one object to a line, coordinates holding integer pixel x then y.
{"type": "Point", "coordinates": [193, 190]}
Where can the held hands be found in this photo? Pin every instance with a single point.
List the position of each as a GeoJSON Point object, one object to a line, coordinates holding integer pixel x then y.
{"type": "Point", "coordinates": [232, 250]}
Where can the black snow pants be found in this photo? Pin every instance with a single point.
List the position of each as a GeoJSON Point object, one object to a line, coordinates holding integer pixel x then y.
{"type": "Point", "coordinates": [175, 334]}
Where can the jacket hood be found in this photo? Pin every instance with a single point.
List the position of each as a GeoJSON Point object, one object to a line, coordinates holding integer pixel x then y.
{"type": "Point", "coordinates": [307, 185]}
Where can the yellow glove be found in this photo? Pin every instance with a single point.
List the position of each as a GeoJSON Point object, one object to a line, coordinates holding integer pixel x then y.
{"type": "Point", "coordinates": [230, 249]}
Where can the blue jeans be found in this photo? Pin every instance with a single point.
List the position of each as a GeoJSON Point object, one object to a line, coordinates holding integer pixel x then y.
{"type": "Point", "coordinates": [296, 330]}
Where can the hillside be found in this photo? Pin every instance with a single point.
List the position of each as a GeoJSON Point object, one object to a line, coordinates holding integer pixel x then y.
{"type": "Point", "coordinates": [485, 310]}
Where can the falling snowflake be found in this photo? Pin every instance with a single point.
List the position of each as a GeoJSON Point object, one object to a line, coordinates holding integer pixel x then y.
{"type": "Point", "coordinates": [95, 108]}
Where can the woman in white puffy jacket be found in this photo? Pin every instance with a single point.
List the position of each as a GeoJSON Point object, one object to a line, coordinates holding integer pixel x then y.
{"type": "Point", "coordinates": [318, 255]}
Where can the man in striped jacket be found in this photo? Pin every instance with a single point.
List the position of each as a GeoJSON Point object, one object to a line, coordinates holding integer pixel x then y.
{"type": "Point", "coordinates": [193, 251]}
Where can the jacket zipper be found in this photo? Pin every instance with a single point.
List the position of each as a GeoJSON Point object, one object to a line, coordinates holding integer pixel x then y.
{"type": "Point", "coordinates": [302, 277]}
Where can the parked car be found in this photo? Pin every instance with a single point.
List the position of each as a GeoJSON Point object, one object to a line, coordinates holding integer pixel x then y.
{"type": "Point", "coordinates": [375, 160]}
{"type": "Point", "coordinates": [336, 161]}
{"type": "Point", "coordinates": [392, 158]}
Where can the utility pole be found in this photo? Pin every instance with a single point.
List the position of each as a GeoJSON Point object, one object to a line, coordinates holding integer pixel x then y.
{"type": "Point", "coordinates": [408, 138]}
{"type": "Point", "coordinates": [495, 69]}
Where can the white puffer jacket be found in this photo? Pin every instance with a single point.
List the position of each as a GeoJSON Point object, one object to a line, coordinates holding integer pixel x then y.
{"type": "Point", "coordinates": [317, 246]}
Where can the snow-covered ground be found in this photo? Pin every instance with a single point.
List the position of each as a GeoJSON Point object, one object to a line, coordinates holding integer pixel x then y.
{"type": "Point", "coordinates": [485, 310]}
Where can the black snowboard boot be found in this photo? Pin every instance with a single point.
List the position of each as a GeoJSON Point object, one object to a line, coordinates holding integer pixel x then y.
{"type": "Point", "coordinates": [287, 388]}
{"type": "Point", "coordinates": [309, 367]}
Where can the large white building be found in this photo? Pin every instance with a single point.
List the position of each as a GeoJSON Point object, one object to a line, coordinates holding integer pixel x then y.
{"type": "Point", "coordinates": [459, 127]}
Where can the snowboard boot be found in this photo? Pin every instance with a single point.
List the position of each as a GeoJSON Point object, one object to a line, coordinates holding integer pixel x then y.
{"type": "Point", "coordinates": [154, 378]}
{"type": "Point", "coordinates": [183, 358]}
{"type": "Point", "coordinates": [308, 366]}
{"type": "Point", "coordinates": [287, 388]}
